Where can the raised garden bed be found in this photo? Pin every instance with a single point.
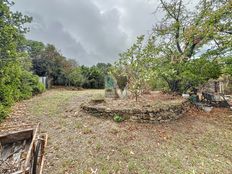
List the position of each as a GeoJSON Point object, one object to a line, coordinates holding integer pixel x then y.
{"type": "Point", "coordinates": [150, 109]}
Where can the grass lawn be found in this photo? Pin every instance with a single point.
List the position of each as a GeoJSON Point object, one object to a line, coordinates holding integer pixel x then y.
{"type": "Point", "coordinates": [82, 144]}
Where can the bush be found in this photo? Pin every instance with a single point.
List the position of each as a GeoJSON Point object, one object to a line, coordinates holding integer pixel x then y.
{"type": "Point", "coordinates": [26, 80]}
{"type": "Point", "coordinates": [30, 85]}
{"type": "Point", "coordinates": [4, 110]}
{"type": "Point", "coordinates": [16, 84]}
{"type": "Point", "coordinates": [38, 89]}
{"type": "Point", "coordinates": [9, 92]}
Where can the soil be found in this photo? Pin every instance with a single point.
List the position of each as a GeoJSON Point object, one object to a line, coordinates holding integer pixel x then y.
{"type": "Point", "coordinates": [81, 144]}
{"type": "Point", "coordinates": [154, 100]}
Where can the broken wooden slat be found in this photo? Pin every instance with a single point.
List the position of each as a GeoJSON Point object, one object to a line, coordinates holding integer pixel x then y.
{"type": "Point", "coordinates": [45, 139]}
{"type": "Point", "coordinates": [31, 148]}
{"type": "Point", "coordinates": [16, 136]}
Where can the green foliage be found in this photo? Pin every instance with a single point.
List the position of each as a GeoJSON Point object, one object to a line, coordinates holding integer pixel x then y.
{"type": "Point", "coordinates": [38, 88]}
{"type": "Point", "coordinates": [118, 118]}
{"type": "Point", "coordinates": [121, 79]}
{"type": "Point", "coordinates": [175, 56]}
{"type": "Point", "coordinates": [30, 85]}
{"type": "Point", "coordinates": [47, 61]}
{"type": "Point", "coordinates": [95, 75]}
{"type": "Point", "coordinates": [188, 75]}
{"type": "Point", "coordinates": [197, 72]}
{"type": "Point", "coordinates": [180, 38]}
{"type": "Point", "coordinates": [76, 78]}
{"type": "Point", "coordinates": [16, 82]}
{"type": "Point", "coordinates": [4, 111]}
{"type": "Point", "coordinates": [158, 84]}
{"type": "Point", "coordinates": [133, 68]}
{"type": "Point", "coordinates": [34, 48]}
{"type": "Point", "coordinates": [11, 30]}
{"type": "Point", "coordinates": [227, 65]}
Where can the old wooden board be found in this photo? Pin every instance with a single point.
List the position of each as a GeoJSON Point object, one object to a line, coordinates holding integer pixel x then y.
{"type": "Point", "coordinates": [18, 153]}
{"type": "Point", "coordinates": [16, 136]}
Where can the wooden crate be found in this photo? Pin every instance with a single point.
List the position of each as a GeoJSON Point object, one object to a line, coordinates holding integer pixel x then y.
{"type": "Point", "coordinates": [22, 151]}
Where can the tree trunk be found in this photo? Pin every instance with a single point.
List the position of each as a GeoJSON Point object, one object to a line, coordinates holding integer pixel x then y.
{"type": "Point", "coordinates": [174, 86]}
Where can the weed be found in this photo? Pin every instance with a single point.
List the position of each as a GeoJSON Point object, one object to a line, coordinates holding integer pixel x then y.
{"type": "Point", "coordinates": [87, 130]}
{"type": "Point", "coordinates": [98, 147]}
{"type": "Point", "coordinates": [78, 125]}
{"type": "Point", "coordinates": [118, 118]}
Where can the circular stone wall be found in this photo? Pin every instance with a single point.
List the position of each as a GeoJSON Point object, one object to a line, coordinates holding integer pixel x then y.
{"type": "Point", "coordinates": [143, 115]}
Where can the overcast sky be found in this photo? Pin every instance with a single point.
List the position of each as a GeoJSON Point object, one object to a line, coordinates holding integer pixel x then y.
{"type": "Point", "coordinates": [89, 31]}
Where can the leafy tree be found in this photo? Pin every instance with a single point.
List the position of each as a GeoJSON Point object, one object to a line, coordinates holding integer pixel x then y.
{"type": "Point", "coordinates": [181, 36]}
{"type": "Point", "coordinates": [134, 65]}
{"type": "Point", "coordinates": [15, 81]}
{"type": "Point", "coordinates": [76, 78]}
{"type": "Point", "coordinates": [94, 78]}
{"type": "Point", "coordinates": [104, 68]}
{"type": "Point", "coordinates": [197, 72]}
{"type": "Point", "coordinates": [227, 68]}
{"type": "Point", "coordinates": [34, 48]}
{"type": "Point", "coordinates": [95, 75]}
{"type": "Point", "coordinates": [47, 61]}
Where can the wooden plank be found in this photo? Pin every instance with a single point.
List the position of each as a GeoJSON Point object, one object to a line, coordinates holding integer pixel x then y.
{"type": "Point", "coordinates": [31, 149]}
{"type": "Point", "coordinates": [16, 136]}
{"type": "Point", "coordinates": [43, 153]}
{"type": "Point", "coordinates": [19, 172]}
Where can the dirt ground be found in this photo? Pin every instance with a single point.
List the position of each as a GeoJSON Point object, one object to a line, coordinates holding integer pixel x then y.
{"type": "Point", "coordinates": [153, 100]}
{"type": "Point", "coordinates": [82, 144]}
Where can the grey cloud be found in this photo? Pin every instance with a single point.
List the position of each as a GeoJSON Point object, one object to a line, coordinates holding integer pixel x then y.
{"type": "Point", "coordinates": [90, 31]}
{"type": "Point", "coordinates": [56, 34]}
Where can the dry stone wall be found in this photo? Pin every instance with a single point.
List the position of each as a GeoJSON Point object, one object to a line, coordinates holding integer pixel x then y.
{"type": "Point", "coordinates": [145, 115]}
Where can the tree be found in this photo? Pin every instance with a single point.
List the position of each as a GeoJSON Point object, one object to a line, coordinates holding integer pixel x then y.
{"type": "Point", "coordinates": [47, 61]}
{"type": "Point", "coordinates": [181, 36]}
{"type": "Point", "coordinates": [76, 78]}
{"type": "Point", "coordinates": [34, 48]}
{"type": "Point", "coordinates": [95, 75]}
{"type": "Point", "coordinates": [11, 32]}
{"type": "Point", "coordinates": [104, 68]}
{"type": "Point", "coordinates": [15, 81]}
{"type": "Point", "coordinates": [134, 65]}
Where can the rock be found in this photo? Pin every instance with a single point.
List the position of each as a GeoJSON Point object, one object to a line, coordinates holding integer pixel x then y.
{"type": "Point", "coordinates": [108, 110]}
{"type": "Point", "coordinates": [144, 114]}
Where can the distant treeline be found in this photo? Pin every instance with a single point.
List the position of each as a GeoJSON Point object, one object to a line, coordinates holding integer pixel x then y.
{"type": "Point", "coordinates": [48, 61]}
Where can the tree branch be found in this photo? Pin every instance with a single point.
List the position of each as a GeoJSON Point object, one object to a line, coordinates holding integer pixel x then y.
{"type": "Point", "coordinates": [166, 8]}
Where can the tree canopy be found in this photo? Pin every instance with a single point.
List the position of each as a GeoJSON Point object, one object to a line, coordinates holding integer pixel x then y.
{"type": "Point", "coordinates": [186, 48]}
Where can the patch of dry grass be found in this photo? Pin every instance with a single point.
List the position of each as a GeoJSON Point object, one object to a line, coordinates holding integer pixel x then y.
{"type": "Point", "coordinates": [81, 144]}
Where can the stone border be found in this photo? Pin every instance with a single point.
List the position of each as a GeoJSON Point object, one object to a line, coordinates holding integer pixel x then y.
{"type": "Point", "coordinates": [146, 115]}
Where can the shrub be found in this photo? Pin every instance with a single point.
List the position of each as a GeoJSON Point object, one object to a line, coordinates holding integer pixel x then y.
{"type": "Point", "coordinates": [30, 85]}
{"type": "Point", "coordinates": [26, 80]}
{"type": "Point", "coordinates": [9, 87]}
{"type": "Point", "coordinates": [4, 110]}
{"type": "Point", "coordinates": [39, 88]}
{"type": "Point", "coordinates": [16, 84]}
{"type": "Point", "coordinates": [118, 118]}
